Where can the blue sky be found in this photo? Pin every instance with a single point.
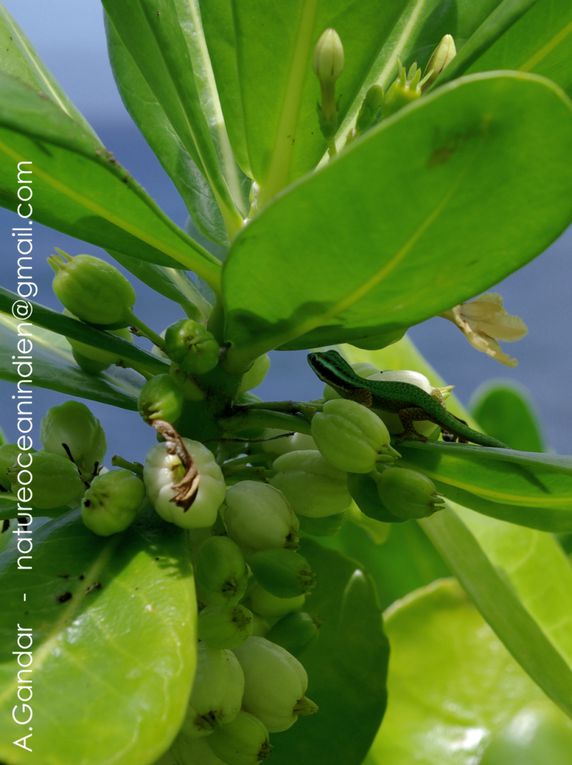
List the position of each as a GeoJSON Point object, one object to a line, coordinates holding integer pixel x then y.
{"type": "Point", "coordinates": [70, 38]}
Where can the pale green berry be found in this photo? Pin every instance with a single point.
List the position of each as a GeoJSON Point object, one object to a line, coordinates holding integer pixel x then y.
{"type": "Point", "coordinates": [93, 290]}
{"type": "Point", "coordinates": [269, 606]}
{"type": "Point", "coordinates": [112, 502]}
{"type": "Point", "coordinates": [351, 437]}
{"type": "Point", "coordinates": [284, 573]}
{"type": "Point", "coordinates": [217, 692]}
{"type": "Point", "coordinates": [257, 516]}
{"type": "Point", "coordinates": [408, 494]}
{"type": "Point", "coordinates": [255, 374]}
{"type": "Point", "coordinates": [96, 360]}
{"type": "Point", "coordinates": [192, 346]}
{"type": "Point", "coordinates": [55, 481]}
{"type": "Point", "coordinates": [311, 485]}
{"type": "Point", "coordinates": [160, 399]}
{"type": "Point", "coordinates": [225, 626]}
{"type": "Point", "coordinates": [275, 684]}
{"type": "Point", "coordinates": [294, 632]}
{"type": "Point", "coordinates": [244, 741]}
{"type": "Point", "coordinates": [72, 431]}
{"type": "Point", "coordinates": [193, 506]}
{"type": "Point", "coordinates": [221, 572]}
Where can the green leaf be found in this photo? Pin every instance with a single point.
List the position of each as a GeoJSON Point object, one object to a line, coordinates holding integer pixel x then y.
{"type": "Point", "coordinates": [539, 42]}
{"type": "Point", "coordinates": [262, 58]}
{"type": "Point", "coordinates": [504, 410]}
{"type": "Point", "coordinates": [19, 59]}
{"type": "Point", "coordinates": [413, 219]}
{"type": "Point", "coordinates": [173, 283]}
{"type": "Point", "coordinates": [114, 641]}
{"type": "Point", "coordinates": [527, 488]}
{"type": "Point", "coordinates": [541, 646]}
{"type": "Point", "coordinates": [501, 563]}
{"type": "Point", "coordinates": [346, 664]}
{"type": "Point", "coordinates": [161, 136]}
{"type": "Point", "coordinates": [452, 686]}
{"type": "Point", "coordinates": [403, 562]}
{"type": "Point", "coordinates": [53, 367]}
{"type": "Point", "coordinates": [167, 46]}
{"type": "Point", "coordinates": [77, 330]}
{"type": "Point", "coordinates": [505, 15]}
{"type": "Point", "coordinates": [80, 189]}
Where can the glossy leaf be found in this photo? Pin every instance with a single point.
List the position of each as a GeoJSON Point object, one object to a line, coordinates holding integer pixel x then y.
{"type": "Point", "coordinates": [418, 202]}
{"type": "Point", "coordinates": [19, 59]}
{"type": "Point", "coordinates": [403, 562]}
{"type": "Point", "coordinates": [453, 688]}
{"type": "Point", "coordinates": [501, 564]}
{"type": "Point", "coordinates": [527, 488]}
{"type": "Point", "coordinates": [504, 410]}
{"type": "Point", "coordinates": [77, 330]}
{"type": "Point", "coordinates": [80, 189]}
{"type": "Point", "coordinates": [166, 43]}
{"type": "Point", "coordinates": [263, 62]}
{"type": "Point", "coordinates": [113, 625]}
{"type": "Point", "coordinates": [54, 367]}
{"type": "Point", "coordinates": [539, 42]}
{"type": "Point", "coordinates": [155, 125]}
{"type": "Point", "coordinates": [350, 689]}
{"type": "Point", "coordinates": [173, 283]}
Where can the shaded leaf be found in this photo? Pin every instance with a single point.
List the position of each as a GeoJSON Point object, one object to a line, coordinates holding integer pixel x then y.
{"type": "Point", "coordinates": [505, 411]}
{"type": "Point", "coordinates": [166, 43]}
{"type": "Point", "coordinates": [80, 189]}
{"type": "Point", "coordinates": [345, 241]}
{"type": "Point", "coordinates": [346, 664]}
{"type": "Point", "coordinates": [53, 367]}
{"type": "Point", "coordinates": [113, 625]}
{"type": "Point", "coordinates": [457, 680]}
{"type": "Point", "coordinates": [527, 488]}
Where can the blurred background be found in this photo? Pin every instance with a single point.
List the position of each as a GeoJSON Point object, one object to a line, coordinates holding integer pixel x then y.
{"type": "Point", "coordinates": [69, 36]}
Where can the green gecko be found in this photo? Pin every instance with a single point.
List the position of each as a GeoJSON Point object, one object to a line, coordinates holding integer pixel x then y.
{"type": "Point", "coordinates": [409, 402]}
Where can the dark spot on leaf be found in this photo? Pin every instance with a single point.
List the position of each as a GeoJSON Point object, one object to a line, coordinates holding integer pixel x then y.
{"type": "Point", "coordinates": [64, 576]}
{"type": "Point", "coordinates": [81, 577]}
{"type": "Point", "coordinates": [64, 597]}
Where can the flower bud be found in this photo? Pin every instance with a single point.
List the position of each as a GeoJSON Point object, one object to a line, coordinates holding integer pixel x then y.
{"type": "Point", "coordinates": [270, 606]}
{"type": "Point", "coordinates": [111, 503]}
{"type": "Point", "coordinates": [328, 57]}
{"type": "Point", "coordinates": [294, 632]}
{"type": "Point", "coordinates": [225, 626]}
{"type": "Point", "coordinates": [365, 493]}
{"type": "Point", "coordinates": [55, 481]}
{"type": "Point", "coordinates": [311, 485]}
{"type": "Point", "coordinates": [351, 437]}
{"type": "Point", "coordinates": [192, 346]}
{"type": "Point", "coordinates": [257, 516]}
{"type": "Point", "coordinates": [244, 741]}
{"type": "Point", "coordinates": [441, 57]}
{"type": "Point", "coordinates": [217, 692]}
{"type": "Point", "coordinates": [160, 399]}
{"type": "Point", "coordinates": [283, 573]}
{"type": "Point", "coordinates": [72, 431]}
{"type": "Point", "coordinates": [274, 684]}
{"type": "Point", "coordinates": [408, 494]}
{"type": "Point", "coordinates": [371, 110]}
{"type": "Point", "coordinates": [186, 496]}
{"type": "Point", "coordinates": [8, 456]}
{"type": "Point", "coordinates": [93, 290]}
{"type": "Point", "coordinates": [221, 572]}
{"type": "Point", "coordinates": [255, 374]}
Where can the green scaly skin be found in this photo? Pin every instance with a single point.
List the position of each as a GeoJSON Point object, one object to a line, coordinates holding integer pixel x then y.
{"type": "Point", "coordinates": [408, 401]}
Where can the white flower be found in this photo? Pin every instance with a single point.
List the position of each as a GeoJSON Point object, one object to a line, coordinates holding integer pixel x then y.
{"type": "Point", "coordinates": [484, 322]}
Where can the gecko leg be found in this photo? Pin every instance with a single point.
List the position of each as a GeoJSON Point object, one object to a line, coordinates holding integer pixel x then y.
{"type": "Point", "coordinates": [408, 417]}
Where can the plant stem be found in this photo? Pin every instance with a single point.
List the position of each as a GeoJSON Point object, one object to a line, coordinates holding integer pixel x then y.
{"type": "Point", "coordinates": [134, 467]}
{"type": "Point", "coordinates": [246, 420]}
{"type": "Point", "coordinates": [146, 331]}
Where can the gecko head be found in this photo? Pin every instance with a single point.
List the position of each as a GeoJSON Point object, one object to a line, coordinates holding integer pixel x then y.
{"type": "Point", "coordinates": [325, 362]}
